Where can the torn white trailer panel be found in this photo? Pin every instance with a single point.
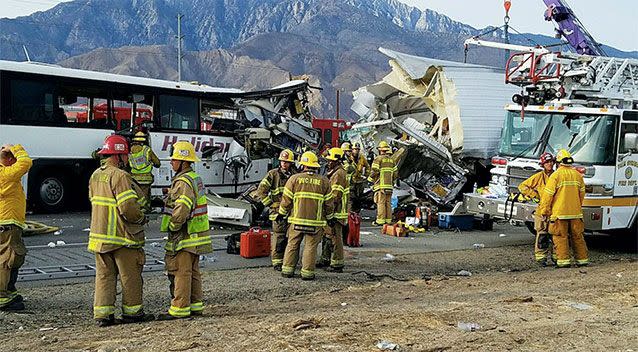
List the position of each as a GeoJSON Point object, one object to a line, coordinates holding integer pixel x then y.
{"type": "Point", "coordinates": [229, 211]}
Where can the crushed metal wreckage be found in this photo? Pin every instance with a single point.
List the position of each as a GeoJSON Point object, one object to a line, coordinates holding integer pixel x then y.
{"type": "Point", "coordinates": [270, 121]}
{"type": "Point", "coordinates": [445, 117]}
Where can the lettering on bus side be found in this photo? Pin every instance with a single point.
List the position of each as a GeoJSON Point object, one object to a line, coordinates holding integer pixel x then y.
{"type": "Point", "coordinates": [197, 142]}
{"type": "Point", "coordinates": [308, 180]}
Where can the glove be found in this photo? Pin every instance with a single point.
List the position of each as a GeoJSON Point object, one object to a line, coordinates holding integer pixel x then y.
{"type": "Point", "coordinates": [332, 222]}
{"type": "Point", "coordinates": [279, 218]}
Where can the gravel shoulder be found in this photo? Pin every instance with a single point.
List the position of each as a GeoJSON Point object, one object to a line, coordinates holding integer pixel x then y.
{"type": "Point", "coordinates": [415, 301]}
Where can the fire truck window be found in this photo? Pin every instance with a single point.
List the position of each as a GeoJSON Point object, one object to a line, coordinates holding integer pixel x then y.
{"type": "Point", "coordinates": [624, 129]}
{"type": "Point", "coordinates": [327, 136]}
{"type": "Point", "coordinates": [179, 113]}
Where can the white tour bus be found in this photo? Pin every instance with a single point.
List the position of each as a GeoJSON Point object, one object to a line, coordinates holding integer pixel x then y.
{"type": "Point", "coordinates": [62, 115]}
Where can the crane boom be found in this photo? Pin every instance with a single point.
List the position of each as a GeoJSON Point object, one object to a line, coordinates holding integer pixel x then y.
{"type": "Point", "coordinates": [570, 27]}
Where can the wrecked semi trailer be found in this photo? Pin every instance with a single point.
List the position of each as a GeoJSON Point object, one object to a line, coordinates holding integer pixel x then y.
{"type": "Point", "coordinates": [447, 116]}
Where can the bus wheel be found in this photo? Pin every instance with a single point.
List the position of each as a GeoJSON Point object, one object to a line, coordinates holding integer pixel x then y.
{"type": "Point", "coordinates": [51, 192]}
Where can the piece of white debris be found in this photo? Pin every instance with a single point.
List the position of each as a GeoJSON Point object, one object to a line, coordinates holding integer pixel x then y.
{"type": "Point", "coordinates": [619, 275]}
{"type": "Point", "coordinates": [51, 245]}
{"type": "Point", "coordinates": [58, 232]}
{"type": "Point", "coordinates": [365, 233]}
{"type": "Point", "coordinates": [60, 243]}
{"type": "Point", "coordinates": [580, 306]}
{"type": "Point", "coordinates": [87, 229]}
{"type": "Point", "coordinates": [502, 235]}
{"type": "Point", "coordinates": [384, 345]}
{"type": "Point", "coordinates": [389, 257]}
{"type": "Point", "coordinates": [343, 304]}
{"type": "Point", "coordinates": [464, 273]}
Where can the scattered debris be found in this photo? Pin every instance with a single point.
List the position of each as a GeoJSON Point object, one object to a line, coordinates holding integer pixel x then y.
{"type": "Point", "coordinates": [478, 245]}
{"type": "Point", "coordinates": [378, 277]}
{"type": "Point", "coordinates": [389, 258]}
{"type": "Point", "coordinates": [343, 304]}
{"type": "Point", "coordinates": [502, 235]}
{"type": "Point", "coordinates": [526, 299]}
{"type": "Point", "coordinates": [579, 306]}
{"type": "Point", "coordinates": [365, 233]}
{"type": "Point", "coordinates": [464, 273]}
{"type": "Point", "coordinates": [57, 233]}
{"type": "Point", "coordinates": [51, 245]}
{"type": "Point", "coordinates": [156, 245]}
{"type": "Point", "coordinates": [87, 229]}
{"type": "Point", "coordinates": [306, 324]}
{"type": "Point", "coordinates": [619, 275]}
{"type": "Point", "coordinates": [60, 243]}
{"type": "Point", "coordinates": [384, 345]}
{"type": "Point", "coordinates": [468, 327]}
{"type": "Point", "coordinates": [47, 329]}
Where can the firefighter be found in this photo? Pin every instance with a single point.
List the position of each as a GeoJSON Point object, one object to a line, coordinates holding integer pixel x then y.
{"type": "Point", "coordinates": [562, 202]}
{"type": "Point", "coordinates": [307, 204]}
{"type": "Point", "coordinates": [359, 176]}
{"type": "Point", "coordinates": [186, 221]}
{"type": "Point", "coordinates": [14, 163]}
{"type": "Point", "coordinates": [347, 160]}
{"type": "Point", "coordinates": [269, 191]}
{"type": "Point", "coordinates": [142, 160]}
{"type": "Point", "coordinates": [383, 175]}
{"type": "Point", "coordinates": [116, 236]}
{"type": "Point", "coordinates": [332, 244]}
{"type": "Point", "coordinates": [532, 189]}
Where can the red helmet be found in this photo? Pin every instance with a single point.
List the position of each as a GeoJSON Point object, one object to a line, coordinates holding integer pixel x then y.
{"type": "Point", "coordinates": [546, 157]}
{"type": "Point", "coordinates": [113, 145]}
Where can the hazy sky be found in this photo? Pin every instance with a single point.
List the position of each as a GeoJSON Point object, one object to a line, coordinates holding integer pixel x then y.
{"type": "Point", "coordinates": [613, 22]}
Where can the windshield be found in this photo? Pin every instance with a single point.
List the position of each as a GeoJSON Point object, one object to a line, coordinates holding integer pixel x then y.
{"type": "Point", "coordinates": [589, 138]}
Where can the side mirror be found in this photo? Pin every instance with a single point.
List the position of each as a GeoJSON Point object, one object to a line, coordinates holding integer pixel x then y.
{"type": "Point", "coordinates": [631, 142]}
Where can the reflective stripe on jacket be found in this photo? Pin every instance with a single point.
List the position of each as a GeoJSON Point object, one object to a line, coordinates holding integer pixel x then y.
{"type": "Point", "coordinates": [186, 215]}
{"type": "Point", "coordinates": [340, 194]}
{"type": "Point", "coordinates": [563, 195]}
{"type": "Point", "coordinates": [270, 190]}
{"type": "Point", "coordinates": [384, 172]}
{"type": "Point", "coordinates": [116, 214]}
{"type": "Point", "coordinates": [308, 199]}
{"type": "Point", "coordinates": [142, 159]}
{"type": "Point", "coordinates": [13, 203]}
{"type": "Point", "coordinates": [534, 185]}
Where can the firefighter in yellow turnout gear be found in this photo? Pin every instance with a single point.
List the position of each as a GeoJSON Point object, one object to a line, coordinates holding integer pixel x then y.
{"type": "Point", "coordinates": [269, 191]}
{"type": "Point", "coordinates": [332, 244]}
{"type": "Point", "coordinates": [116, 236]}
{"type": "Point", "coordinates": [142, 160]}
{"type": "Point", "coordinates": [14, 163]}
{"type": "Point", "coordinates": [361, 171]}
{"type": "Point", "coordinates": [307, 202]}
{"type": "Point", "coordinates": [532, 188]}
{"type": "Point", "coordinates": [383, 175]}
{"type": "Point", "coordinates": [561, 202]}
{"type": "Point", "coordinates": [186, 221]}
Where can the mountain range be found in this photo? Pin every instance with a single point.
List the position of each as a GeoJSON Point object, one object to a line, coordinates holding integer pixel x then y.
{"type": "Point", "coordinates": [247, 44]}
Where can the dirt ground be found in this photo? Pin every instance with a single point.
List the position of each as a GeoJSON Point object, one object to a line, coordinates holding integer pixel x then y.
{"type": "Point", "coordinates": [418, 306]}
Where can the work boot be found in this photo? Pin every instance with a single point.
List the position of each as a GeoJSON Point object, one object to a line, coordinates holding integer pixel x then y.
{"type": "Point", "coordinates": [287, 276]}
{"type": "Point", "coordinates": [166, 316]}
{"type": "Point", "coordinates": [322, 265]}
{"type": "Point", "coordinates": [336, 269]}
{"type": "Point", "coordinates": [104, 322]}
{"type": "Point", "coordinates": [13, 306]}
{"type": "Point", "coordinates": [277, 267]}
{"type": "Point", "coordinates": [308, 278]}
{"type": "Point", "coordinates": [198, 313]}
{"type": "Point", "coordinates": [130, 319]}
{"type": "Point", "coordinates": [542, 263]}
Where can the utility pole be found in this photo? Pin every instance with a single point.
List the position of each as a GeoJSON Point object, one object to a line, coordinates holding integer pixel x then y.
{"type": "Point", "coordinates": [179, 38]}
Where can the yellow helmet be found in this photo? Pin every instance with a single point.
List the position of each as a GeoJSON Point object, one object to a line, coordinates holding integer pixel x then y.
{"type": "Point", "coordinates": [345, 146]}
{"type": "Point", "coordinates": [334, 154]}
{"type": "Point", "coordinates": [564, 157]}
{"type": "Point", "coordinates": [356, 146]}
{"type": "Point", "coordinates": [383, 145]}
{"type": "Point", "coordinates": [183, 150]}
{"type": "Point", "coordinates": [309, 159]}
{"type": "Point", "coordinates": [140, 137]}
{"type": "Point", "coordinates": [287, 155]}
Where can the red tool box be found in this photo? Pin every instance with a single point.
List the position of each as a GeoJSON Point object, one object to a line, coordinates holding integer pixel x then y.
{"type": "Point", "coordinates": [254, 243]}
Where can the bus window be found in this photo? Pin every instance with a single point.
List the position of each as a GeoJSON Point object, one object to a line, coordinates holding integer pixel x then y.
{"type": "Point", "coordinates": [33, 102]}
{"type": "Point", "coordinates": [216, 118]}
{"type": "Point", "coordinates": [178, 113]}
{"type": "Point", "coordinates": [84, 107]}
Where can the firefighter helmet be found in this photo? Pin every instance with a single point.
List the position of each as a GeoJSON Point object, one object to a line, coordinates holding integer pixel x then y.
{"type": "Point", "coordinates": [356, 146]}
{"type": "Point", "coordinates": [345, 147]}
{"type": "Point", "coordinates": [114, 145]}
{"type": "Point", "coordinates": [334, 154]}
{"type": "Point", "coordinates": [183, 150]}
{"type": "Point", "coordinates": [287, 155]}
{"type": "Point", "coordinates": [140, 137]}
{"type": "Point", "coordinates": [564, 157]}
{"type": "Point", "coordinates": [383, 145]}
{"type": "Point", "coordinates": [309, 159]}
{"type": "Point", "coordinates": [545, 158]}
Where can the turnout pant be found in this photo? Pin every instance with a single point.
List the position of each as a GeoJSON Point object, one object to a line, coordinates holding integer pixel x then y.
{"type": "Point", "coordinates": [278, 241]}
{"type": "Point", "coordinates": [185, 283]}
{"type": "Point", "coordinates": [543, 243]}
{"type": "Point", "coordinates": [291, 256]}
{"type": "Point", "coordinates": [356, 194]}
{"type": "Point", "coordinates": [332, 246]}
{"type": "Point", "coordinates": [566, 231]}
{"type": "Point", "coordinates": [382, 199]}
{"type": "Point", "coordinates": [128, 264]}
{"type": "Point", "coordinates": [12, 254]}
{"type": "Point", "coordinates": [146, 194]}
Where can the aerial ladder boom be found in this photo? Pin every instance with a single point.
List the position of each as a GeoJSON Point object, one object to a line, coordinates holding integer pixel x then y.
{"type": "Point", "coordinates": [570, 27]}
